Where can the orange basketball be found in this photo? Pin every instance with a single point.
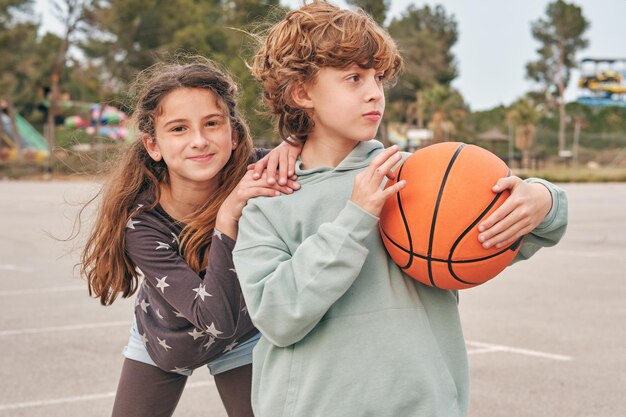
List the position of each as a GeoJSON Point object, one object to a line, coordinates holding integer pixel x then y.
{"type": "Point", "coordinates": [430, 228]}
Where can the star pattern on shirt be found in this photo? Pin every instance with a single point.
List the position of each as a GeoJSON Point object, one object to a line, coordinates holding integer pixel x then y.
{"type": "Point", "coordinates": [230, 347]}
{"type": "Point", "coordinates": [210, 343]}
{"type": "Point", "coordinates": [196, 334]}
{"type": "Point", "coordinates": [189, 342]}
{"type": "Point", "coordinates": [212, 330]}
{"type": "Point", "coordinates": [161, 284]}
{"type": "Point", "coordinates": [163, 343]}
{"type": "Point", "coordinates": [201, 292]}
{"type": "Point", "coordinates": [144, 305]}
{"type": "Point", "coordinates": [130, 224]}
{"type": "Point", "coordinates": [162, 245]}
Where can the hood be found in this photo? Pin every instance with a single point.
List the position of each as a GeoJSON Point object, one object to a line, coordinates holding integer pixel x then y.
{"type": "Point", "coordinates": [360, 157]}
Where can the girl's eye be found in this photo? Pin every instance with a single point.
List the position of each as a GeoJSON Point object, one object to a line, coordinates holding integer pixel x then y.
{"type": "Point", "coordinates": [178, 129]}
{"type": "Point", "coordinates": [353, 78]}
{"type": "Point", "coordinates": [380, 77]}
{"type": "Point", "coordinates": [211, 123]}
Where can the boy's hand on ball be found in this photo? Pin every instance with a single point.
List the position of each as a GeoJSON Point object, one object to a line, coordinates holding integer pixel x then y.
{"type": "Point", "coordinates": [367, 192]}
{"type": "Point", "coordinates": [526, 207]}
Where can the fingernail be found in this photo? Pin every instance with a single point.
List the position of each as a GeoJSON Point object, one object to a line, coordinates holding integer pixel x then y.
{"type": "Point", "coordinates": [486, 245]}
{"type": "Point", "coordinates": [481, 238]}
{"type": "Point", "coordinates": [282, 181]}
{"type": "Point", "coordinates": [481, 228]}
{"type": "Point", "coordinates": [256, 176]}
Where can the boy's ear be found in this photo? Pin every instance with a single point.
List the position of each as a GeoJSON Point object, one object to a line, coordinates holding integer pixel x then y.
{"type": "Point", "coordinates": [300, 96]}
{"type": "Point", "coordinates": [152, 147]}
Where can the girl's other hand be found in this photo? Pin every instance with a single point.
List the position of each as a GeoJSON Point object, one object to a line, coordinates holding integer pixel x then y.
{"type": "Point", "coordinates": [281, 160]}
{"type": "Point", "coordinates": [367, 192]}
{"type": "Point", "coordinates": [526, 207]}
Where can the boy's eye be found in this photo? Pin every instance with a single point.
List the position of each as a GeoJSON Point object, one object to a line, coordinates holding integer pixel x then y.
{"type": "Point", "coordinates": [381, 76]}
{"type": "Point", "coordinates": [212, 123]}
{"type": "Point", "coordinates": [178, 129]}
{"type": "Point", "coordinates": [354, 78]}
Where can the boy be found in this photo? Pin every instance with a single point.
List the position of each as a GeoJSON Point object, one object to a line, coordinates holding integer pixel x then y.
{"type": "Point", "coordinates": [344, 332]}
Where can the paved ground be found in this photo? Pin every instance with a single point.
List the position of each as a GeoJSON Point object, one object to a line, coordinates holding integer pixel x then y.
{"type": "Point", "coordinates": [546, 338]}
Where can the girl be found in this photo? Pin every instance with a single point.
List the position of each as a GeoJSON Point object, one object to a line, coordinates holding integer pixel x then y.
{"type": "Point", "coordinates": [166, 229]}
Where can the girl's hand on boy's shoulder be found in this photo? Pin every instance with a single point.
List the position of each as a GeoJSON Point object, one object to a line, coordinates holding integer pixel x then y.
{"type": "Point", "coordinates": [248, 187]}
{"type": "Point", "coordinates": [281, 160]}
{"type": "Point", "coordinates": [521, 213]}
{"type": "Point", "coordinates": [367, 192]}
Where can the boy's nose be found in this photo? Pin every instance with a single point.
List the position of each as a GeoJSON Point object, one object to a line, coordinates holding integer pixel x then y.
{"type": "Point", "coordinates": [374, 90]}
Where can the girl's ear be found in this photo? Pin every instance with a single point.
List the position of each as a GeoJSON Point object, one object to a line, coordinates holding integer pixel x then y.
{"type": "Point", "coordinates": [300, 96]}
{"type": "Point", "coordinates": [152, 147]}
{"type": "Point", "coordinates": [234, 139]}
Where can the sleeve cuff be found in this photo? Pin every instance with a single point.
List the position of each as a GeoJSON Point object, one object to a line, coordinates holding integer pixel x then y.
{"type": "Point", "coordinates": [552, 214]}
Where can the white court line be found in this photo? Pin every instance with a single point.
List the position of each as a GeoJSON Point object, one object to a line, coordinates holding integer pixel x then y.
{"type": "Point", "coordinates": [11, 267]}
{"type": "Point", "coordinates": [43, 290]}
{"type": "Point", "coordinates": [489, 347]}
{"type": "Point", "coordinates": [90, 397]}
{"type": "Point", "coordinates": [63, 328]}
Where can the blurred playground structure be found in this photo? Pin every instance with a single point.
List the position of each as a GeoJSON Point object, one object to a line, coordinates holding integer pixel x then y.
{"type": "Point", "coordinates": [80, 119]}
{"type": "Point", "coordinates": [602, 82]}
{"type": "Point", "coordinates": [28, 140]}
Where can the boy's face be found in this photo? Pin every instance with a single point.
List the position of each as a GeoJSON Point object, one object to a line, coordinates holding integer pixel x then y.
{"type": "Point", "coordinates": [345, 104]}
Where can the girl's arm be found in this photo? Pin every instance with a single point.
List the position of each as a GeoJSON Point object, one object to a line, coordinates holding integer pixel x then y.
{"type": "Point", "coordinates": [230, 211]}
{"type": "Point", "coordinates": [213, 305]}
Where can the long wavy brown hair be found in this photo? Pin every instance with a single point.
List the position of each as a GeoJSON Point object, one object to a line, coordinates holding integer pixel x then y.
{"type": "Point", "coordinates": [104, 262]}
{"type": "Point", "coordinates": [315, 36]}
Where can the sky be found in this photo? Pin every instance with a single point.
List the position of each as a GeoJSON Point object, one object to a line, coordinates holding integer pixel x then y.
{"type": "Point", "coordinates": [495, 42]}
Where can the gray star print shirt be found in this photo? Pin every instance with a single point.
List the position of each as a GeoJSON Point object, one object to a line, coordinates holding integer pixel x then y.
{"type": "Point", "coordinates": [185, 320]}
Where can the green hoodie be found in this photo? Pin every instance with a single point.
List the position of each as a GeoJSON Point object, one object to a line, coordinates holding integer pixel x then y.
{"type": "Point", "coordinates": [345, 332]}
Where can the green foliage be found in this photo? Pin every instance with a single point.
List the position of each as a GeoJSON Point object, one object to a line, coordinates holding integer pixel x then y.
{"type": "Point", "coordinates": [134, 34]}
{"type": "Point", "coordinates": [425, 37]}
{"type": "Point", "coordinates": [376, 8]}
{"type": "Point", "coordinates": [560, 35]}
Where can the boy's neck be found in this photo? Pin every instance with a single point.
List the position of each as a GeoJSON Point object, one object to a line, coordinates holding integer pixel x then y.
{"type": "Point", "coordinates": [325, 153]}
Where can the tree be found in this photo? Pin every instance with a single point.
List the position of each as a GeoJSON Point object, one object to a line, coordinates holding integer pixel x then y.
{"type": "Point", "coordinates": [560, 34]}
{"type": "Point", "coordinates": [376, 8]}
{"type": "Point", "coordinates": [133, 34]}
{"type": "Point", "coordinates": [425, 37]}
{"type": "Point", "coordinates": [17, 38]}
{"type": "Point", "coordinates": [524, 115]}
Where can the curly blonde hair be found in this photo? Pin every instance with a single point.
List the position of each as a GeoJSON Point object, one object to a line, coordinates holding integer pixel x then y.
{"type": "Point", "coordinates": [315, 36]}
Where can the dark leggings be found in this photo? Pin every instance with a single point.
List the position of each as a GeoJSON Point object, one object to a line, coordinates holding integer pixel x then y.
{"type": "Point", "coordinates": [146, 391]}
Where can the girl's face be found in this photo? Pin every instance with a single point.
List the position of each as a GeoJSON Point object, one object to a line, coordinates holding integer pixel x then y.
{"type": "Point", "coordinates": [193, 136]}
{"type": "Point", "coordinates": [346, 104]}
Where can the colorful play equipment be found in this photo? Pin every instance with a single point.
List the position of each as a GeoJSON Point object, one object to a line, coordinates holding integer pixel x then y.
{"type": "Point", "coordinates": [31, 143]}
{"type": "Point", "coordinates": [602, 82]}
{"type": "Point", "coordinates": [112, 120]}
